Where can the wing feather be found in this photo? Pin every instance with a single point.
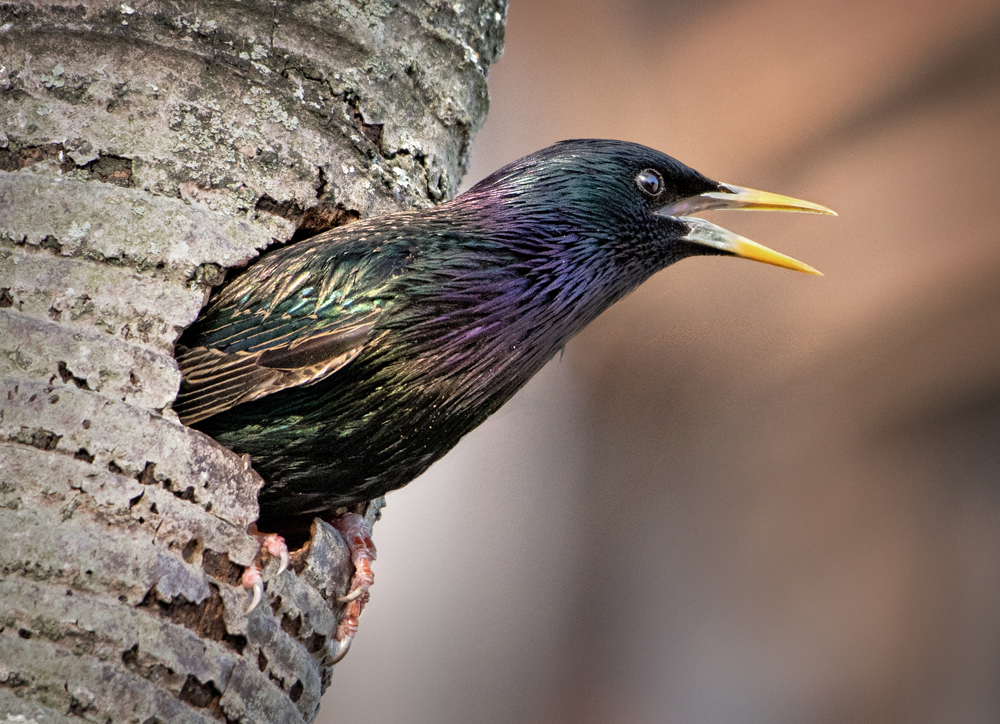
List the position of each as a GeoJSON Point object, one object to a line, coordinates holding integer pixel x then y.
{"type": "Point", "coordinates": [294, 318]}
{"type": "Point", "coordinates": [215, 381]}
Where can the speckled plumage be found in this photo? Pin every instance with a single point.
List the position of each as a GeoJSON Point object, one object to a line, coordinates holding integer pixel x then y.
{"type": "Point", "coordinates": [348, 363]}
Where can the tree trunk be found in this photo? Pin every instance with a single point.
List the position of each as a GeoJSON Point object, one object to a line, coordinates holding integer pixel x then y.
{"type": "Point", "coordinates": [144, 148]}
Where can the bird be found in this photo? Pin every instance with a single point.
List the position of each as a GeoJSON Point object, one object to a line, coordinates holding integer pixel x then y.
{"type": "Point", "coordinates": [346, 364]}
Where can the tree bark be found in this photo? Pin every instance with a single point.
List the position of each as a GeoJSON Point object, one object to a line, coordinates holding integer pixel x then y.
{"type": "Point", "coordinates": [145, 147]}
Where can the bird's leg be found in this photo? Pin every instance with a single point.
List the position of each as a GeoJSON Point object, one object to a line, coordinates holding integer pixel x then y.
{"type": "Point", "coordinates": [253, 579]}
{"type": "Point", "coordinates": [359, 542]}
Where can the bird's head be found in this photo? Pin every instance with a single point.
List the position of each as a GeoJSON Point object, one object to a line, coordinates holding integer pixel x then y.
{"type": "Point", "coordinates": [632, 201]}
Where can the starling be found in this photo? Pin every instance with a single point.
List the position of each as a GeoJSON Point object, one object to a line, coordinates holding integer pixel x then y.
{"type": "Point", "coordinates": [348, 363]}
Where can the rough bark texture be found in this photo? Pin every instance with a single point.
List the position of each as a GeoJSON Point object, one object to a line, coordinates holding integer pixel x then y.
{"type": "Point", "coordinates": [144, 148]}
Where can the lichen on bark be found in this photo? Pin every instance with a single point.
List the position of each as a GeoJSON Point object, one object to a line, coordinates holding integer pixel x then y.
{"type": "Point", "coordinates": [145, 148]}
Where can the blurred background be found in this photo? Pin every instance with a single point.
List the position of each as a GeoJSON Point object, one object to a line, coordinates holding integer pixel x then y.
{"type": "Point", "coordinates": [743, 494]}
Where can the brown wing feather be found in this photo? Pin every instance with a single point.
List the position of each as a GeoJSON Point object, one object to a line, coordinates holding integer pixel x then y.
{"type": "Point", "coordinates": [214, 381]}
{"type": "Point", "coordinates": [310, 351]}
{"type": "Point", "coordinates": [293, 318]}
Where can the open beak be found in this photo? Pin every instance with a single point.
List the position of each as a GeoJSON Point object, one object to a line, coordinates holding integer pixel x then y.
{"type": "Point", "coordinates": [737, 197]}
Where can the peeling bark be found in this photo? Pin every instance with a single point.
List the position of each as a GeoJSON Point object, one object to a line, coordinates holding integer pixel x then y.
{"type": "Point", "coordinates": [144, 149]}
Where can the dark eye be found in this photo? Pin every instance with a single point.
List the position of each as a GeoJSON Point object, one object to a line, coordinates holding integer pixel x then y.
{"type": "Point", "coordinates": [650, 182]}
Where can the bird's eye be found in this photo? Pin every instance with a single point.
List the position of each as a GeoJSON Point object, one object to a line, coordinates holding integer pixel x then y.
{"type": "Point", "coordinates": [650, 182]}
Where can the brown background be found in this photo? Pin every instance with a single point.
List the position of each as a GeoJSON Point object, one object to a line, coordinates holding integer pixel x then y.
{"type": "Point", "coordinates": [743, 494]}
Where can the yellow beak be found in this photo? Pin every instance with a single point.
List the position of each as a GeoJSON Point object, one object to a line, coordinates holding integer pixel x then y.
{"type": "Point", "coordinates": [737, 197]}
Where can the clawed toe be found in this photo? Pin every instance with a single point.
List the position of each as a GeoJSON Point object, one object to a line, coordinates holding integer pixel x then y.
{"type": "Point", "coordinates": [253, 579]}
{"type": "Point", "coordinates": [254, 582]}
{"type": "Point", "coordinates": [352, 528]}
{"type": "Point", "coordinates": [353, 595]}
{"type": "Point", "coordinates": [362, 549]}
{"type": "Point", "coordinates": [275, 545]}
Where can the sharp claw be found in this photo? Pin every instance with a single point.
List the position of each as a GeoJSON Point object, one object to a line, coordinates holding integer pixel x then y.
{"type": "Point", "coordinates": [342, 648]}
{"type": "Point", "coordinates": [356, 593]}
{"type": "Point", "coordinates": [252, 579]}
{"type": "Point", "coordinates": [352, 528]}
{"type": "Point", "coordinates": [275, 545]}
{"type": "Point", "coordinates": [258, 593]}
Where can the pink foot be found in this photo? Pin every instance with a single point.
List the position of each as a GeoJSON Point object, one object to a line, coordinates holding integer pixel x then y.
{"type": "Point", "coordinates": [253, 581]}
{"type": "Point", "coordinates": [352, 527]}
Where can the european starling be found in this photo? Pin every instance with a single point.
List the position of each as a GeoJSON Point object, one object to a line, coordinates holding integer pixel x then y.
{"type": "Point", "coordinates": [346, 364]}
